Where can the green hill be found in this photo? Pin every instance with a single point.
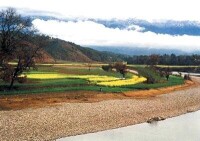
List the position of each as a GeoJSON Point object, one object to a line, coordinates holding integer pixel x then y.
{"type": "Point", "coordinates": [68, 51]}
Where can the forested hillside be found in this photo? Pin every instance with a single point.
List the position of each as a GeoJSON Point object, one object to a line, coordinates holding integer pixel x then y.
{"type": "Point", "coordinates": [68, 51]}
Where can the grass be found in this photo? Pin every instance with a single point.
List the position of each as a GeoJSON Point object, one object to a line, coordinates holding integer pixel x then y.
{"type": "Point", "coordinates": [56, 86]}
{"type": "Point", "coordinates": [166, 66]}
{"type": "Point", "coordinates": [64, 89]}
{"type": "Point", "coordinates": [173, 80]}
{"type": "Point", "coordinates": [35, 86]}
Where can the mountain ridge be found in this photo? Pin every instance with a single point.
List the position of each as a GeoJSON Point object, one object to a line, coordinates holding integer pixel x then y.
{"type": "Point", "coordinates": [141, 50]}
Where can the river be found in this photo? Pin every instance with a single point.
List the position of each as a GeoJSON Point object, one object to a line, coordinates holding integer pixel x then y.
{"type": "Point", "coordinates": [182, 128]}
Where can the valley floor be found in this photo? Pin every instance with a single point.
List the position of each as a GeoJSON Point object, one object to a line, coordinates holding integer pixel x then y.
{"type": "Point", "coordinates": [52, 121]}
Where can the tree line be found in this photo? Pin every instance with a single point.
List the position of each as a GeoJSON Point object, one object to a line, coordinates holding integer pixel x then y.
{"type": "Point", "coordinates": [165, 59]}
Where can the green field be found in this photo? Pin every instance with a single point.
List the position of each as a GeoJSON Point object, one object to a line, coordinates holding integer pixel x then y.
{"type": "Point", "coordinates": [62, 77]}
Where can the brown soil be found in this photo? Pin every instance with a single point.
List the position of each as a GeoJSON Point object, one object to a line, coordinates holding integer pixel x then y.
{"type": "Point", "coordinates": [17, 102]}
{"type": "Point", "coordinates": [159, 91]}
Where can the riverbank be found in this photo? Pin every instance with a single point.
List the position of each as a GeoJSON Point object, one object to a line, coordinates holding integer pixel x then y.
{"type": "Point", "coordinates": [67, 119]}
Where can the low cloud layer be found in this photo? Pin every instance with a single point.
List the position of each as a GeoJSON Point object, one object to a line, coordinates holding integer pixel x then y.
{"type": "Point", "coordinates": [90, 33]}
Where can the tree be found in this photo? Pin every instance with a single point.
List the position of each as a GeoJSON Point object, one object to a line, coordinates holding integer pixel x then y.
{"type": "Point", "coordinates": [153, 59]}
{"type": "Point", "coordinates": [121, 68]}
{"type": "Point", "coordinates": [18, 43]}
{"type": "Point", "coordinates": [173, 59]}
{"type": "Point", "coordinates": [89, 66]}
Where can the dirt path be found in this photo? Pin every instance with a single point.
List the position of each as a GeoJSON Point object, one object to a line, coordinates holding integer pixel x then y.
{"type": "Point", "coordinates": [65, 119]}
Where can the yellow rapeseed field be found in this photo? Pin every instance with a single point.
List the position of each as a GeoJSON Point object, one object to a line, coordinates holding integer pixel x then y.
{"type": "Point", "coordinates": [94, 79]}
{"type": "Point", "coordinates": [46, 76]}
{"type": "Point", "coordinates": [123, 82]}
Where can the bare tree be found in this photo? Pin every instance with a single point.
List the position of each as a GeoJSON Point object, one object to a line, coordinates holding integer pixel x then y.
{"type": "Point", "coordinates": [18, 43]}
{"type": "Point", "coordinates": [121, 68]}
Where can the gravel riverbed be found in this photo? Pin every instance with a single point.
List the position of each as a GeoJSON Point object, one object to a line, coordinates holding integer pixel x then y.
{"type": "Point", "coordinates": [67, 119]}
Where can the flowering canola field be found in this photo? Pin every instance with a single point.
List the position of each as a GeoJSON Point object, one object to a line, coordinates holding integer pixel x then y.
{"type": "Point", "coordinates": [134, 80]}
{"type": "Point", "coordinates": [93, 79]}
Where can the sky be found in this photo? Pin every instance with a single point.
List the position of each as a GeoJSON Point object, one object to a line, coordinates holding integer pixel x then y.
{"type": "Point", "coordinates": [88, 32]}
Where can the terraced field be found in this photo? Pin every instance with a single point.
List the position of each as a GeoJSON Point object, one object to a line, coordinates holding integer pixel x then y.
{"type": "Point", "coordinates": [77, 77]}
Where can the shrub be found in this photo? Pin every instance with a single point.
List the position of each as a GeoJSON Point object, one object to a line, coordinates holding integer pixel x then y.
{"type": "Point", "coordinates": [106, 67]}
{"type": "Point", "coordinates": [151, 74]}
{"type": "Point", "coordinates": [150, 80]}
{"type": "Point", "coordinates": [22, 79]}
{"type": "Point", "coordinates": [187, 77]}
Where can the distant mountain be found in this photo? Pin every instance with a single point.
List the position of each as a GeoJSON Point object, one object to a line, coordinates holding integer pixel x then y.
{"type": "Point", "coordinates": [170, 27]}
{"type": "Point", "coordinates": [140, 51]}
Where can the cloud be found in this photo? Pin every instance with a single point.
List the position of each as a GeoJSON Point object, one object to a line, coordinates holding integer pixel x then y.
{"type": "Point", "coordinates": [135, 27]}
{"type": "Point", "coordinates": [121, 9]}
{"type": "Point", "coordinates": [89, 33]}
{"type": "Point", "coordinates": [28, 12]}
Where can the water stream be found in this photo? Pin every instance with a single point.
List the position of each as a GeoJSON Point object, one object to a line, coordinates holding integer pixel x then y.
{"type": "Point", "coordinates": [182, 128]}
